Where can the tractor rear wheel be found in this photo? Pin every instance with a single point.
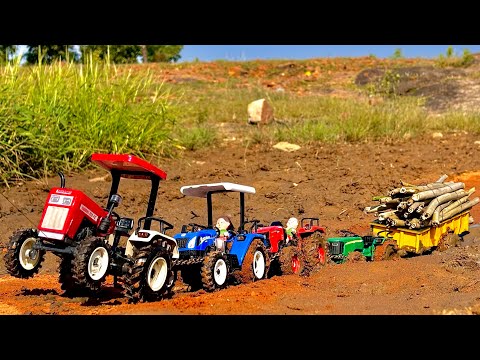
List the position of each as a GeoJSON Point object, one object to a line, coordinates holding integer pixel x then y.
{"type": "Point", "coordinates": [21, 260]}
{"type": "Point", "coordinates": [151, 277]}
{"type": "Point", "coordinates": [290, 260]}
{"type": "Point", "coordinates": [385, 251]}
{"type": "Point", "coordinates": [91, 262]}
{"type": "Point", "coordinates": [256, 263]}
{"type": "Point", "coordinates": [314, 251]}
{"type": "Point", "coordinates": [214, 271]}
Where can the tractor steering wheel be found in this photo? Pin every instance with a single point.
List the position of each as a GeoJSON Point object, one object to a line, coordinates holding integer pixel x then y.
{"type": "Point", "coordinates": [195, 226]}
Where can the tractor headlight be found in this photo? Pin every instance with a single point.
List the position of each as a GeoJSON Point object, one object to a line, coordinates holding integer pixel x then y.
{"type": "Point", "coordinates": [191, 242]}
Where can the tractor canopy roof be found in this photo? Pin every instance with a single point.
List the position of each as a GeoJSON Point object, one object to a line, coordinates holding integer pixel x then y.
{"type": "Point", "coordinates": [203, 189]}
{"type": "Point", "coordinates": [128, 166]}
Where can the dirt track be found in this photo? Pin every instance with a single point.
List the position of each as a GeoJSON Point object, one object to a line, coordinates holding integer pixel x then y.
{"type": "Point", "coordinates": [333, 182]}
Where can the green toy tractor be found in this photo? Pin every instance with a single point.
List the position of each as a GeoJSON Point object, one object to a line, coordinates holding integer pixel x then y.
{"type": "Point", "coordinates": [353, 247]}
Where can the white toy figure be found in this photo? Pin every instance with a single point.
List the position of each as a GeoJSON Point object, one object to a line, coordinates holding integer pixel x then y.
{"type": "Point", "coordinates": [224, 224]}
{"type": "Point", "coordinates": [291, 228]}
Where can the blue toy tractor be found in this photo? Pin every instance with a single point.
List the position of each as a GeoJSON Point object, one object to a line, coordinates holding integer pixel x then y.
{"type": "Point", "coordinates": [208, 258]}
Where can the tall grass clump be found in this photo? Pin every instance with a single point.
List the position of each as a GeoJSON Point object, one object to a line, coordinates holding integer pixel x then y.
{"type": "Point", "coordinates": [331, 120]}
{"type": "Point", "coordinates": [53, 117]}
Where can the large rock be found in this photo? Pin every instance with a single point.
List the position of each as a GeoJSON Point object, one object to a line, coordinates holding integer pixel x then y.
{"type": "Point", "coordinates": [260, 111]}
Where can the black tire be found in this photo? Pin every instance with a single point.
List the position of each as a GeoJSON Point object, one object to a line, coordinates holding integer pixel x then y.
{"type": "Point", "coordinates": [16, 262]}
{"type": "Point", "coordinates": [82, 275]}
{"type": "Point", "coordinates": [65, 277]}
{"type": "Point", "coordinates": [248, 272]}
{"type": "Point", "coordinates": [190, 275]}
{"type": "Point", "coordinates": [312, 247]}
{"type": "Point", "coordinates": [290, 260]}
{"type": "Point", "coordinates": [136, 282]}
{"type": "Point", "coordinates": [214, 271]}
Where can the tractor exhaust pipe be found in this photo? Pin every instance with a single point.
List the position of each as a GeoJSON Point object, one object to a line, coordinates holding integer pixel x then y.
{"type": "Point", "coordinates": [62, 179]}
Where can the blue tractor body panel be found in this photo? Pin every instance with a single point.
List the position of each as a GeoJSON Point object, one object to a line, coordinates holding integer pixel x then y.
{"type": "Point", "coordinates": [197, 241]}
{"type": "Point", "coordinates": [241, 243]}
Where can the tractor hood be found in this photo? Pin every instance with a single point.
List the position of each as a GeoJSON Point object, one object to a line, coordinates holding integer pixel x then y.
{"type": "Point", "coordinates": [345, 240]}
{"type": "Point", "coordinates": [197, 240]}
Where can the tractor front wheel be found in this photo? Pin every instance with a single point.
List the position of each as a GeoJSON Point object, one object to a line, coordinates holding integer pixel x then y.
{"type": "Point", "coordinates": [21, 259]}
{"type": "Point", "coordinates": [151, 277]}
{"type": "Point", "coordinates": [290, 260]}
{"type": "Point", "coordinates": [214, 271]}
{"type": "Point", "coordinates": [90, 263]}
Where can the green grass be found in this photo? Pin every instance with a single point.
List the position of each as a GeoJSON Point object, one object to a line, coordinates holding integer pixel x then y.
{"type": "Point", "coordinates": [54, 117]}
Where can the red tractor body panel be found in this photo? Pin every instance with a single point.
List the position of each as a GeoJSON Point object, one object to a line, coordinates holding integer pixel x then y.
{"type": "Point", "coordinates": [64, 212]}
{"type": "Point", "coordinates": [274, 234]}
{"type": "Point", "coordinates": [134, 167]}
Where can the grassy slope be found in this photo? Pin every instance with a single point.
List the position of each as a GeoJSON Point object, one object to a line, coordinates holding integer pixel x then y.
{"type": "Point", "coordinates": [194, 105]}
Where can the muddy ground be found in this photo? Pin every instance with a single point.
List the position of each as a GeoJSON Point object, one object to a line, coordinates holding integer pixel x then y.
{"type": "Point", "coordinates": [332, 182]}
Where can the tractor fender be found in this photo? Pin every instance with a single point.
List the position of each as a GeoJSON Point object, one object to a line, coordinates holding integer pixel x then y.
{"type": "Point", "coordinates": [241, 243]}
{"type": "Point", "coordinates": [152, 235]}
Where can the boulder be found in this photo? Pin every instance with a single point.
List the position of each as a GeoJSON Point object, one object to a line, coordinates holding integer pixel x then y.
{"type": "Point", "coordinates": [260, 112]}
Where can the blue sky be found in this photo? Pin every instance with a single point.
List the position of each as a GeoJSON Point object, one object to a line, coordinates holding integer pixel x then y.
{"type": "Point", "coordinates": [252, 52]}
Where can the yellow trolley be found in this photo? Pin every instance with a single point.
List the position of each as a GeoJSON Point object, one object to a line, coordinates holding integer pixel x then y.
{"type": "Point", "coordinates": [419, 240]}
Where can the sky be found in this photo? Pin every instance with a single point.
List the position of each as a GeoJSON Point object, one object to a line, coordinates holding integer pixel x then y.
{"type": "Point", "coordinates": [252, 52]}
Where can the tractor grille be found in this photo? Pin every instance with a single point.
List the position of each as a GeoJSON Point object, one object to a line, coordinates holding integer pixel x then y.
{"type": "Point", "coordinates": [335, 248]}
{"type": "Point", "coordinates": [54, 218]}
{"type": "Point", "coordinates": [182, 243]}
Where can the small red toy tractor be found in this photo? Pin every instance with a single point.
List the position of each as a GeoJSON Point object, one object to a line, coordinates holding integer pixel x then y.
{"type": "Point", "coordinates": [86, 236]}
{"type": "Point", "coordinates": [296, 252]}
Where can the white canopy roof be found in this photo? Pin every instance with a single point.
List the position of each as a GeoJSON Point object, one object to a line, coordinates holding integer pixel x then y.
{"type": "Point", "coordinates": [202, 189]}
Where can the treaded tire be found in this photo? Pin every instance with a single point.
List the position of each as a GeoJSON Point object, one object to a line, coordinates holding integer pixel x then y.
{"type": "Point", "coordinates": [310, 247]}
{"type": "Point", "coordinates": [80, 263]}
{"type": "Point", "coordinates": [246, 274]}
{"type": "Point", "coordinates": [12, 261]}
{"type": "Point", "coordinates": [209, 282]}
{"type": "Point", "coordinates": [290, 261]}
{"type": "Point", "coordinates": [135, 283]}
{"type": "Point", "coordinates": [65, 277]}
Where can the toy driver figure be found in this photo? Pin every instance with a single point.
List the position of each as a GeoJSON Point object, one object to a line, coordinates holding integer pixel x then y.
{"type": "Point", "coordinates": [224, 224]}
{"type": "Point", "coordinates": [291, 228]}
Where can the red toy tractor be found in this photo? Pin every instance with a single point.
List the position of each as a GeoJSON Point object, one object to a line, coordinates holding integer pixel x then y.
{"type": "Point", "coordinates": [84, 235]}
{"type": "Point", "coordinates": [298, 252]}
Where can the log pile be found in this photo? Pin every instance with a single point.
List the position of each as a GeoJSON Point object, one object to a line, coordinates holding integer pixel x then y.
{"type": "Point", "coordinates": [420, 206]}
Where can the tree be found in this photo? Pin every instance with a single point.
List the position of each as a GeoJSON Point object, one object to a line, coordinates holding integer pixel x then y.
{"type": "Point", "coordinates": [118, 54]}
{"type": "Point", "coordinates": [397, 54]}
{"type": "Point", "coordinates": [50, 53]}
{"type": "Point", "coordinates": [125, 54]}
{"type": "Point", "coordinates": [6, 51]}
{"type": "Point", "coordinates": [164, 53]}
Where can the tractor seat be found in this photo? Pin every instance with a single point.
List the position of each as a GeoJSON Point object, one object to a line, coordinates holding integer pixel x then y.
{"type": "Point", "coordinates": [276, 223]}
